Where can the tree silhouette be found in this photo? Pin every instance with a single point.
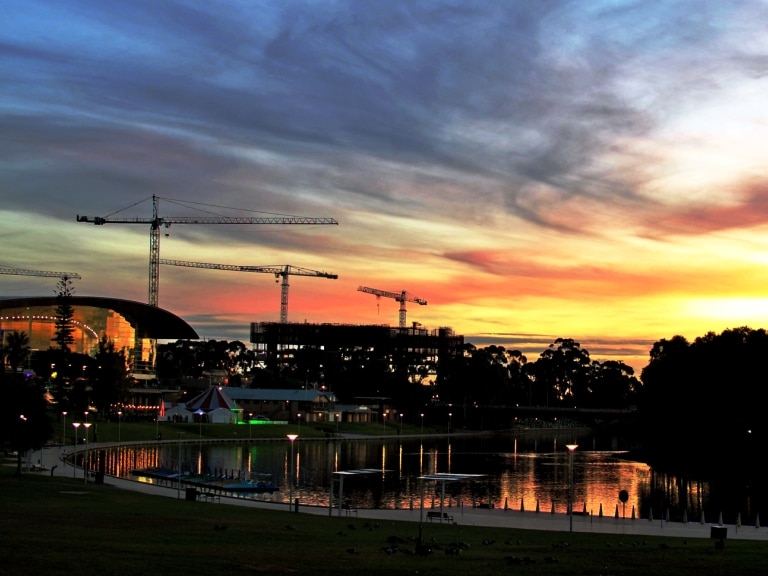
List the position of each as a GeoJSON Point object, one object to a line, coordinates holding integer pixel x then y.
{"type": "Point", "coordinates": [16, 349]}
{"type": "Point", "coordinates": [561, 374]}
{"type": "Point", "coordinates": [24, 424]}
{"type": "Point", "coordinates": [702, 404]}
{"type": "Point", "coordinates": [109, 377]}
{"type": "Point", "coordinates": [64, 335]}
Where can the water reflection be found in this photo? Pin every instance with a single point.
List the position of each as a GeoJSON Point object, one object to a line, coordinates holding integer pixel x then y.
{"type": "Point", "coordinates": [523, 471]}
{"type": "Point", "coordinates": [526, 471]}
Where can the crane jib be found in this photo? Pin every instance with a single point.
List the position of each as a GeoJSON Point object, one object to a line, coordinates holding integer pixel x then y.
{"type": "Point", "coordinates": [99, 221]}
{"type": "Point", "coordinates": [157, 221]}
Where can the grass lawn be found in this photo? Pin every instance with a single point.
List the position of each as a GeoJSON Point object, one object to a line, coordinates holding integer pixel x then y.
{"type": "Point", "coordinates": [56, 525]}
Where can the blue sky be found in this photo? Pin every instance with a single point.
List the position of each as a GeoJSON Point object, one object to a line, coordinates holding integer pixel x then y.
{"type": "Point", "coordinates": [533, 169]}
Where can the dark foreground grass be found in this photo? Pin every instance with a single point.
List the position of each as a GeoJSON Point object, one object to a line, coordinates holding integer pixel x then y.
{"type": "Point", "coordinates": [53, 526]}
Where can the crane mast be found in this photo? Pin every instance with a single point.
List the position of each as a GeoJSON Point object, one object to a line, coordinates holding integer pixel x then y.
{"type": "Point", "coordinates": [156, 222]}
{"type": "Point", "coordinates": [279, 272]}
{"type": "Point", "coordinates": [25, 272]}
{"type": "Point", "coordinates": [401, 297]}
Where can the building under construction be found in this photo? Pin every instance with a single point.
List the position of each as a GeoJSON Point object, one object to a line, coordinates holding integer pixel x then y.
{"type": "Point", "coordinates": [278, 341]}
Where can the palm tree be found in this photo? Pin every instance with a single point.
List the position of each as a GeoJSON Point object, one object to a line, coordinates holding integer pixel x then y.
{"type": "Point", "coordinates": [16, 349]}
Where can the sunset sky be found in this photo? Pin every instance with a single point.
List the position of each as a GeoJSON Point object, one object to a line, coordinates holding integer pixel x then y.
{"type": "Point", "coordinates": [533, 169]}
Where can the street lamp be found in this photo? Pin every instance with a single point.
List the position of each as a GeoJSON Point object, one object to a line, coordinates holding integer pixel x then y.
{"type": "Point", "coordinates": [571, 449]}
{"type": "Point", "coordinates": [119, 422]}
{"type": "Point", "coordinates": [250, 420]}
{"type": "Point", "coordinates": [75, 425]}
{"type": "Point", "coordinates": [401, 423]}
{"type": "Point", "coordinates": [23, 430]}
{"type": "Point", "coordinates": [200, 420]}
{"type": "Point", "coordinates": [449, 422]}
{"type": "Point", "coordinates": [422, 423]}
{"type": "Point", "coordinates": [298, 417]}
{"type": "Point", "coordinates": [291, 437]}
{"type": "Point", "coordinates": [64, 429]}
{"type": "Point", "coordinates": [86, 459]}
{"type": "Point", "coordinates": [178, 484]}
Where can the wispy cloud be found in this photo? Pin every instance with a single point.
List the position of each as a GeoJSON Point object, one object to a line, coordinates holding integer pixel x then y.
{"type": "Point", "coordinates": [541, 151]}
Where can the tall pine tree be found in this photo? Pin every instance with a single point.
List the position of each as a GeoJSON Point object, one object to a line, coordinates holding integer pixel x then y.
{"type": "Point", "coordinates": [64, 335]}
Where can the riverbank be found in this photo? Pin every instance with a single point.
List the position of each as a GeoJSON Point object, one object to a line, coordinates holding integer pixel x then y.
{"type": "Point", "coordinates": [61, 526]}
{"type": "Point", "coordinates": [54, 465]}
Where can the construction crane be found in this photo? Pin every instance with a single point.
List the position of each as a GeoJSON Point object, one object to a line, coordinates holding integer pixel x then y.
{"type": "Point", "coordinates": [278, 271]}
{"type": "Point", "coordinates": [24, 272]}
{"type": "Point", "coordinates": [401, 297]}
{"type": "Point", "coordinates": [156, 222]}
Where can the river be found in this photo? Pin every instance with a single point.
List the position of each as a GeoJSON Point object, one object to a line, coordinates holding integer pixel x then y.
{"type": "Point", "coordinates": [528, 470]}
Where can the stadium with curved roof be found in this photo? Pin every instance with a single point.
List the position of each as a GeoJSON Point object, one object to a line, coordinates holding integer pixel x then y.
{"type": "Point", "coordinates": [132, 326]}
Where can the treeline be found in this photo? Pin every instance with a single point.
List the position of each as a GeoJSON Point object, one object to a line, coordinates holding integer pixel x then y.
{"type": "Point", "coordinates": [703, 403]}
{"type": "Point", "coordinates": [700, 404]}
{"type": "Point", "coordinates": [564, 375]}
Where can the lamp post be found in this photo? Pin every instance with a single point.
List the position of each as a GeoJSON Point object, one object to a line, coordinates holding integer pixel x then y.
{"type": "Point", "coordinates": [75, 425]}
{"type": "Point", "coordinates": [178, 483]}
{"type": "Point", "coordinates": [22, 430]}
{"type": "Point", "coordinates": [298, 417]}
{"type": "Point", "coordinates": [200, 414]}
{"type": "Point", "coordinates": [571, 449]}
{"type": "Point", "coordinates": [450, 415]}
{"type": "Point", "coordinates": [64, 429]}
{"type": "Point", "coordinates": [422, 423]}
{"type": "Point", "coordinates": [401, 423]}
{"type": "Point", "coordinates": [250, 419]}
{"type": "Point", "coordinates": [119, 422]}
{"type": "Point", "coordinates": [86, 458]}
{"type": "Point", "coordinates": [291, 437]}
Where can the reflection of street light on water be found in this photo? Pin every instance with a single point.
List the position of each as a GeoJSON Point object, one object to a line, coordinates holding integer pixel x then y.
{"type": "Point", "coordinates": [291, 437]}
{"type": "Point", "coordinates": [571, 449]}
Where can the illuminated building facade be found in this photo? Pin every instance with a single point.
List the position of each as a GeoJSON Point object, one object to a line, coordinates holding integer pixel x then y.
{"type": "Point", "coordinates": [133, 327]}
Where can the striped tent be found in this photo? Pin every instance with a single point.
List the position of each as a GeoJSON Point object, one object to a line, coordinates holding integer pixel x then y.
{"type": "Point", "coordinates": [212, 399]}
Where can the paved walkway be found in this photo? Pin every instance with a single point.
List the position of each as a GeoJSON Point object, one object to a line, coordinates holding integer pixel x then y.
{"type": "Point", "coordinates": [465, 516]}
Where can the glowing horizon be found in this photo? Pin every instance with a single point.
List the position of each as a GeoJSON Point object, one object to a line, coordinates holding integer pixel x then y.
{"type": "Point", "coordinates": [533, 170]}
